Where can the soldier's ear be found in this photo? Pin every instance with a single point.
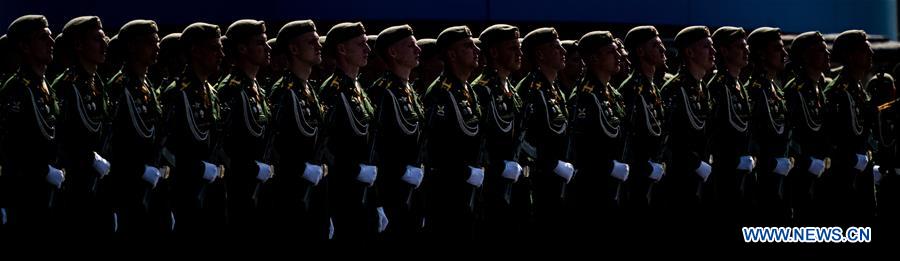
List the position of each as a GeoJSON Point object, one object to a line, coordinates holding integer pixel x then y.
{"type": "Point", "coordinates": [340, 49]}
{"type": "Point", "coordinates": [493, 52]}
{"type": "Point", "coordinates": [392, 52]}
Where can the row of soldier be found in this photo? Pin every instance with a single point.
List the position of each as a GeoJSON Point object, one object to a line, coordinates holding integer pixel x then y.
{"type": "Point", "coordinates": [458, 154]}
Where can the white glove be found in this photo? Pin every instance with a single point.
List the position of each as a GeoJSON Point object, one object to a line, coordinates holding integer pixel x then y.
{"type": "Point", "coordinates": [115, 222]}
{"type": "Point", "coordinates": [658, 171]}
{"type": "Point", "coordinates": [783, 166]}
{"type": "Point", "coordinates": [265, 171]}
{"type": "Point", "coordinates": [367, 174]}
{"type": "Point", "coordinates": [210, 172]}
{"type": "Point", "coordinates": [619, 171]}
{"type": "Point", "coordinates": [476, 176]}
{"type": "Point", "coordinates": [564, 170]}
{"type": "Point", "coordinates": [382, 220]}
{"type": "Point", "coordinates": [330, 228]}
{"type": "Point", "coordinates": [876, 174]}
{"type": "Point", "coordinates": [704, 170]}
{"type": "Point", "coordinates": [861, 162]}
{"type": "Point", "coordinates": [55, 176]}
{"type": "Point", "coordinates": [151, 175]}
{"type": "Point", "coordinates": [747, 163]}
{"type": "Point", "coordinates": [512, 170]}
{"type": "Point", "coordinates": [816, 167]}
{"type": "Point", "coordinates": [101, 165]}
{"type": "Point", "coordinates": [313, 173]}
{"type": "Point", "coordinates": [413, 176]}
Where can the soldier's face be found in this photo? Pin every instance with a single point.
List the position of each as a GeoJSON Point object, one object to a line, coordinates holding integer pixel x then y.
{"type": "Point", "coordinates": [818, 57]}
{"type": "Point", "coordinates": [574, 66]}
{"type": "Point", "coordinates": [465, 53]}
{"type": "Point", "coordinates": [775, 56]}
{"type": "Point", "coordinates": [40, 47]}
{"type": "Point", "coordinates": [92, 47]}
{"type": "Point", "coordinates": [653, 52]}
{"type": "Point", "coordinates": [146, 49]}
{"type": "Point", "coordinates": [307, 48]}
{"type": "Point", "coordinates": [552, 55]}
{"type": "Point", "coordinates": [702, 53]}
{"type": "Point", "coordinates": [355, 50]}
{"type": "Point", "coordinates": [861, 56]}
{"type": "Point", "coordinates": [256, 50]}
{"type": "Point", "coordinates": [608, 59]}
{"type": "Point", "coordinates": [736, 53]}
{"type": "Point", "coordinates": [405, 52]}
{"type": "Point", "coordinates": [509, 54]}
{"type": "Point", "coordinates": [208, 54]}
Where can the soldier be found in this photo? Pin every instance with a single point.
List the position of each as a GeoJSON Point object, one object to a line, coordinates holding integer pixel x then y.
{"type": "Point", "coordinates": [348, 114]}
{"type": "Point", "coordinates": [506, 191]}
{"type": "Point", "coordinates": [276, 67]}
{"type": "Point", "coordinates": [83, 122]}
{"type": "Point", "coordinates": [849, 190]}
{"type": "Point", "coordinates": [192, 125]}
{"type": "Point", "coordinates": [245, 117]}
{"type": "Point", "coordinates": [599, 135]}
{"type": "Point", "coordinates": [8, 60]}
{"type": "Point", "coordinates": [770, 132]}
{"type": "Point", "coordinates": [729, 127]}
{"type": "Point", "coordinates": [171, 63]}
{"type": "Point", "coordinates": [806, 116]}
{"type": "Point", "coordinates": [624, 65]}
{"type": "Point", "coordinates": [137, 197]}
{"type": "Point", "coordinates": [574, 69]}
{"type": "Point", "coordinates": [398, 116]}
{"type": "Point", "coordinates": [688, 110]}
{"type": "Point", "coordinates": [28, 116]}
{"type": "Point", "coordinates": [430, 65]}
{"type": "Point", "coordinates": [454, 140]}
{"type": "Point", "coordinates": [374, 67]}
{"type": "Point", "coordinates": [644, 117]}
{"type": "Point", "coordinates": [546, 124]}
{"type": "Point", "coordinates": [884, 132]}
{"type": "Point", "coordinates": [301, 195]}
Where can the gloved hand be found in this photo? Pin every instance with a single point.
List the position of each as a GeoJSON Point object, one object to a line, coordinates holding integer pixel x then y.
{"type": "Point", "coordinates": [704, 170]}
{"type": "Point", "coordinates": [313, 173]}
{"type": "Point", "coordinates": [382, 219]}
{"type": "Point", "coordinates": [861, 161]}
{"type": "Point", "coordinates": [210, 172]}
{"type": "Point", "coordinates": [783, 166]}
{"type": "Point", "coordinates": [101, 165]}
{"type": "Point", "coordinates": [620, 170]}
{"type": "Point", "coordinates": [265, 171]}
{"type": "Point", "coordinates": [151, 175]}
{"type": "Point", "coordinates": [816, 166]}
{"type": "Point", "coordinates": [367, 174]}
{"type": "Point", "coordinates": [413, 176]}
{"type": "Point", "coordinates": [55, 176]}
{"type": "Point", "coordinates": [564, 170]}
{"type": "Point", "coordinates": [747, 163]}
{"type": "Point", "coordinates": [512, 170]}
{"type": "Point", "coordinates": [658, 171]}
{"type": "Point", "coordinates": [476, 176]}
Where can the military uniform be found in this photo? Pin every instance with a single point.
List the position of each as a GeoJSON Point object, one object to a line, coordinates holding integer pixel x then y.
{"type": "Point", "coordinates": [301, 187]}
{"type": "Point", "coordinates": [547, 131]}
{"type": "Point", "coordinates": [194, 135]}
{"type": "Point", "coordinates": [29, 116]}
{"type": "Point", "coordinates": [246, 141]}
{"type": "Point", "coordinates": [886, 117]}
{"type": "Point", "coordinates": [771, 135]}
{"type": "Point", "coordinates": [730, 132]}
{"type": "Point", "coordinates": [599, 142]}
{"type": "Point", "coordinates": [136, 115]}
{"type": "Point", "coordinates": [806, 114]}
{"type": "Point", "coordinates": [348, 116]}
{"type": "Point", "coordinates": [647, 139]}
{"type": "Point", "coordinates": [454, 144]}
{"type": "Point", "coordinates": [849, 189]}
